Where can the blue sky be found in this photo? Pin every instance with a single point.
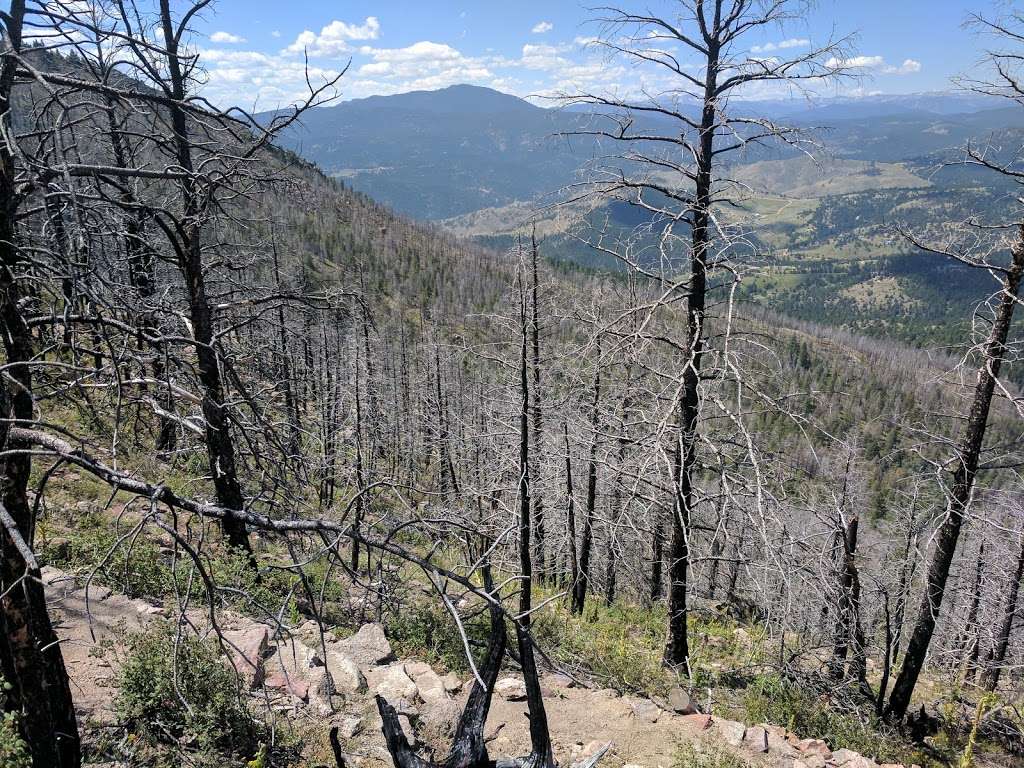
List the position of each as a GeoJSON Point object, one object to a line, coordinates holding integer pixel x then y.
{"type": "Point", "coordinates": [253, 49]}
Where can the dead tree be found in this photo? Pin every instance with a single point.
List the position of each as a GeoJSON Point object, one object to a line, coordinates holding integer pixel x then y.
{"type": "Point", "coordinates": [1004, 259]}
{"type": "Point", "coordinates": [30, 655]}
{"type": "Point", "coordinates": [714, 32]}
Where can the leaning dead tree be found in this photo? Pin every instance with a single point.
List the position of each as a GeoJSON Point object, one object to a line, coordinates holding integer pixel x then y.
{"type": "Point", "coordinates": [999, 250]}
{"type": "Point", "coordinates": [677, 179]}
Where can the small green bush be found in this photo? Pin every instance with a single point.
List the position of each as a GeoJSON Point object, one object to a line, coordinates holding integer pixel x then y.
{"type": "Point", "coordinates": [690, 756]}
{"type": "Point", "coordinates": [175, 691]}
{"type": "Point", "coordinates": [771, 699]}
{"type": "Point", "coordinates": [13, 749]}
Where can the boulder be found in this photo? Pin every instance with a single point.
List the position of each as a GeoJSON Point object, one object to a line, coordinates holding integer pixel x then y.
{"type": "Point", "coordinates": [430, 686]}
{"type": "Point", "coordinates": [731, 731]}
{"type": "Point", "coordinates": [511, 689]}
{"type": "Point", "coordinates": [814, 747]}
{"type": "Point", "coordinates": [348, 726]}
{"type": "Point", "coordinates": [392, 683]}
{"type": "Point", "coordinates": [247, 647]}
{"type": "Point", "coordinates": [646, 710]}
{"type": "Point", "coordinates": [368, 647]}
{"type": "Point", "coordinates": [756, 739]}
{"type": "Point", "coordinates": [849, 757]}
{"type": "Point", "coordinates": [452, 684]}
{"type": "Point", "coordinates": [698, 722]}
{"type": "Point", "coordinates": [345, 674]}
{"type": "Point", "coordinates": [559, 680]}
{"type": "Point", "coordinates": [416, 668]}
{"type": "Point", "coordinates": [680, 701]}
{"type": "Point", "coordinates": [810, 761]}
{"type": "Point", "coordinates": [289, 684]}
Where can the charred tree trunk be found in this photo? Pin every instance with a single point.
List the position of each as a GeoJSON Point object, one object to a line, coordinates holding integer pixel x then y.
{"type": "Point", "coordinates": [30, 654]}
{"type": "Point", "coordinates": [677, 645]}
{"type": "Point", "coordinates": [537, 412]}
{"type": "Point", "coordinates": [574, 565]}
{"type": "Point", "coordinates": [219, 443]}
{"type": "Point", "coordinates": [579, 595]}
{"type": "Point", "coordinates": [968, 460]}
{"type": "Point", "coordinates": [990, 678]}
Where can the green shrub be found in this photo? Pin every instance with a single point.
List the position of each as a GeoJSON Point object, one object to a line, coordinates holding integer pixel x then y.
{"type": "Point", "coordinates": [689, 755]}
{"type": "Point", "coordinates": [175, 691]}
{"type": "Point", "coordinates": [427, 631]}
{"type": "Point", "coordinates": [13, 749]}
{"type": "Point", "coordinates": [771, 699]}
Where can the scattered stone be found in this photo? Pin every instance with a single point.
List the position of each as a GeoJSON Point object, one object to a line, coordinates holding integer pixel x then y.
{"type": "Point", "coordinates": [680, 701]}
{"type": "Point", "coordinates": [416, 668]}
{"type": "Point", "coordinates": [732, 732]}
{"type": "Point", "coordinates": [452, 684]}
{"type": "Point", "coordinates": [347, 677]}
{"type": "Point", "coordinates": [756, 739]}
{"type": "Point", "coordinates": [609, 693]}
{"type": "Point", "coordinates": [289, 684]}
{"type": "Point", "coordinates": [368, 647]}
{"type": "Point", "coordinates": [430, 686]}
{"type": "Point", "coordinates": [247, 647]}
{"type": "Point", "coordinates": [810, 761]}
{"type": "Point", "coordinates": [646, 710]}
{"type": "Point", "coordinates": [511, 689]}
{"type": "Point", "coordinates": [814, 747]}
{"type": "Point", "coordinates": [349, 726]}
{"type": "Point", "coordinates": [392, 683]}
{"type": "Point", "coordinates": [145, 609]}
{"type": "Point", "coordinates": [560, 681]}
{"type": "Point", "coordinates": [844, 756]}
{"type": "Point", "coordinates": [698, 722]}
{"type": "Point", "coordinates": [632, 765]}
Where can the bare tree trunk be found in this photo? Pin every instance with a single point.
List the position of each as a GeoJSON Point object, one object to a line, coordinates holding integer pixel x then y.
{"type": "Point", "coordinates": [579, 596]}
{"type": "Point", "coordinates": [990, 678]}
{"type": "Point", "coordinates": [220, 446]}
{"type": "Point", "coordinates": [30, 655]}
{"type": "Point", "coordinates": [574, 566]}
{"type": "Point", "coordinates": [538, 414]}
{"type": "Point", "coordinates": [968, 460]}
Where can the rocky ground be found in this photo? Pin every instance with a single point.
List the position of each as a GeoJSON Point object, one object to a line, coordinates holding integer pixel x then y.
{"type": "Point", "coordinates": [333, 683]}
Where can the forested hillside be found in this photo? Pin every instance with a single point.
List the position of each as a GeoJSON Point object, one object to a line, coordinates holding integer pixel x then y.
{"type": "Point", "coordinates": [240, 393]}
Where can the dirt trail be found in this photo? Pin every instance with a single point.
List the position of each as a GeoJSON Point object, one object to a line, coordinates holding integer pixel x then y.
{"type": "Point", "coordinates": [293, 678]}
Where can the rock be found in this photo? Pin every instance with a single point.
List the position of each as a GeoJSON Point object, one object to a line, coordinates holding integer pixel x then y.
{"type": "Point", "coordinates": [246, 648]}
{"type": "Point", "coordinates": [438, 719]}
{"type": "Point", "coordinates": [289, 684]}
{"type": "Point", "coordinates": [392, 683]}
{"type": "Point", "coordinates": [416, 668]}
{"type": "Point", "coordinates": [778, 742]}
{"type": "Point", "coordinates": [145, 609]}
{"type": "Point", "coordinates": [348, 727]}
{"type": "Point", "coordinates": [632, 765]}
{"type": "Point", "coordinates": [347, 677]}
{"type": "Point", "coordinates": [810, 761]}
{"type": "Point", "coordinates": [430, 686]}
{"type": "Point", "coordinates": [646, 710]}
{"type": "Point", "coordinates": [410, 734]}
{"type": "Point", "coordinates": [560, 681]}
{"type": "Point", "coordinates": [592, 748]}
{"type": "Point", "coordinates": [698, 722]}
{"type": "Point", "coordinates": [511, 689]}
{"type": "Point", "coordinates": [681, 702]}
{"type": "Point", "coordinates": [814, 747]}
{"type": "Point", "coordinates": [59, 547]}
{"type": "Point", "coordinates": [452, 684]}
{"type": "Point", "coordinates": [368, 647]}
{"type": "Point", "coordinates": [732, 732]}
{"type": "Point", "coordinates": [609, 693]}
{"type": "Point", "coordinates": [756, 739]}
{"type": "Point", "coordinates": [851, 759]}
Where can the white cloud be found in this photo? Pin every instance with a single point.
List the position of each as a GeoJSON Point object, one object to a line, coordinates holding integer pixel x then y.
{"type": "Point", "coordinates": [541, 27]}
{"type": "Point", "coordinates": [335, 37]}
{"type": "Point", "coordinates": [226, 37]}
{"type": "Point", "coordinates": [857, 62]}
{"type": "Point", "coordinates": [276, 33]}
{"type": "Point", "coordinates": [908, 67]}
{"type": "Point", "coordinates": [793, 42]}
{"type": "Point", "coordinates": [876, 63]}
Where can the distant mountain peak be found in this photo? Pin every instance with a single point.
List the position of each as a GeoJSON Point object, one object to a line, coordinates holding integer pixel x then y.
{"type": "Point", "coordinates": [453, 98]}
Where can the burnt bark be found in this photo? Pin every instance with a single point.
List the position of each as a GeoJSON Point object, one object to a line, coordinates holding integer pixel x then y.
{"type": "Point", "coordinates": [959, 495]}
